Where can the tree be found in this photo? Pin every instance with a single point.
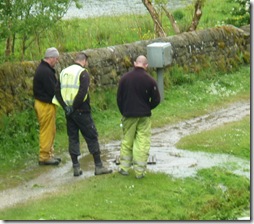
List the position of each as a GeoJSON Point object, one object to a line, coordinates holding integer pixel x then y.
{"type": "Point", "coordinates": [26, 20]}
{"type": "Point", "coordinates": [157, 22]}
{"type": "Point", "coordinates": [155, 16]}
{"type": "Point", "coordinates": [197, 15]}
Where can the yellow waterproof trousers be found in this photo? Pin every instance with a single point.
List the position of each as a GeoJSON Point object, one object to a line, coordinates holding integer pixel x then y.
{"type": "Point", "coordinates": [46, 114]}
{"type": "Point", "coordinates": [136, 143]}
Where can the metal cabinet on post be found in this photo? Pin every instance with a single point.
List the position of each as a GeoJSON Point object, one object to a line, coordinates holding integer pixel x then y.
{"type": "Point", "coordinates": [159, 55]}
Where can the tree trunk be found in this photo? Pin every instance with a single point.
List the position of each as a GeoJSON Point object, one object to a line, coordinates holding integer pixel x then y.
{"type": "Point", "coordinates": [13, 44]}
{"type": "Point", "coordinates": [172, 20]}
{"type": "Point", "coordinates": [8, 47]}
{"type": "Point", "coordinates": [197, 15]}
{"type": "Point", "coordinates": [23, 47]}
{"type": "Point", "coordinates": [158, 26]}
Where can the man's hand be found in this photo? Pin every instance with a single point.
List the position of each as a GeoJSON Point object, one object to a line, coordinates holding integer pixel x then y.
{"type": "Point", "coordinates": [68, 110]}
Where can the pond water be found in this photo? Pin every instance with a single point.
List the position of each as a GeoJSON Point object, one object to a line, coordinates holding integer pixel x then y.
{"type": "Point", "coordinates": [96, 8]}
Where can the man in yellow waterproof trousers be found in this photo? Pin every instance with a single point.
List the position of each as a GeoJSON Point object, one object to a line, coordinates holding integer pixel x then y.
{"type": "Point", "coordinates": [44, 83]}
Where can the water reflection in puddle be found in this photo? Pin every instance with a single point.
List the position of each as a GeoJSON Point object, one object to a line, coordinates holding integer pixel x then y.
{"type": "Point", "coordinates": [183, 163]}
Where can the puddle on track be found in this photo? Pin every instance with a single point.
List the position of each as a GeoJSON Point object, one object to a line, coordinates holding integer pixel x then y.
{"type": "Point", "coordinates": [183, 163]}
{"type": "Point", "coordinates": [176, 162]}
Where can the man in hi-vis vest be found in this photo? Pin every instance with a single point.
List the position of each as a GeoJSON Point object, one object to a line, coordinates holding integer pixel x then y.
{"type": "Point", "coordinates": [72, 94]}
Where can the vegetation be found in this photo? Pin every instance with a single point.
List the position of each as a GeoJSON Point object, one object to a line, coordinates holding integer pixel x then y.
{"type": "Point", "coordinates": [26, 20]}
{"type": "Point", "coordinates": [226, 139]}
{"type": "Point", "coordinates": [214, 194]}
{"type": "Point", "coordinates": [95, 32]}
{"type": "Point", "coordinates": [240, 14]}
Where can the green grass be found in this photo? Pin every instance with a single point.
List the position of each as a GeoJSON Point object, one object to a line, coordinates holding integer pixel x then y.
{"type": "Point", "coordinates": [214, 194]}
{"type": "Point", "coordinates": [231, 138]}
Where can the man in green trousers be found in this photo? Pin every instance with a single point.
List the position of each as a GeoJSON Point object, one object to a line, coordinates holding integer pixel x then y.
{"type": "Point", "coordinates": [137, 95]}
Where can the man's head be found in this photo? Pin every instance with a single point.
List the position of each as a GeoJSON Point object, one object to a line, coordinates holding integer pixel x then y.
{"type": "Point", "coordinates": [81, 58]}
{"type": "Point", "coordinates": [51, 56]}
{"type": "Point", "coordinates": [141, 61]}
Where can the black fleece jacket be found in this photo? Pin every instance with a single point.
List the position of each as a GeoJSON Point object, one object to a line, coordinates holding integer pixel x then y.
{"type": "Point", "coordinates": [137, 93]}
{"type": "Point", "coordinates": [44, 82]}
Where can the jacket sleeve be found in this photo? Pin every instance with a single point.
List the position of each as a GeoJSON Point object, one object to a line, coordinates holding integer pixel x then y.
{"type": "Point", "coordinates": [59, 95]}
{"type": "Point", "coordinates": [50, 84]}
{"type": "Point", "coordinates": [84, 80]}
{"type": "Point", "coordinates": [155, 96]}
{"type": "Point", "coordinates": [119, 97]}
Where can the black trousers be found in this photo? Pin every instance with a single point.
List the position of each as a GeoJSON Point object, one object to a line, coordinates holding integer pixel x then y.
{"type": "Point", "coordinates": [83, 122]}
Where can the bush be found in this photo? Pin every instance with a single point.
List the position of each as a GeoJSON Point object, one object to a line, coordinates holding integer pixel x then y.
{"type": "Point", "coordinates": [240, 15]}
{"type": "Point", "coordinates": [18, 137]}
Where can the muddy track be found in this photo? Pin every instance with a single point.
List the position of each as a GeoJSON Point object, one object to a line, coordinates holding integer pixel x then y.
{"type": "Point", "coordinates": [176, 162]}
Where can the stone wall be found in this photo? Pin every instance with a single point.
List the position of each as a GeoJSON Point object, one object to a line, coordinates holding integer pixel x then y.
{"type": "Point", "coordinates": [220, 47]}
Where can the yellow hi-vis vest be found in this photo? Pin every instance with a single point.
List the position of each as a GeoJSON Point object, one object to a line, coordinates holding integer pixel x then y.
{"type": "Point", "coordinates": [69, 79]}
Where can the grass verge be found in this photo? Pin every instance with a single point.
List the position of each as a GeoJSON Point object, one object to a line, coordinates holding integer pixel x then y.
{"type": "Point", "coordinates": [214, 194]}
{"type": "Point", "coordinates": [232, 138]}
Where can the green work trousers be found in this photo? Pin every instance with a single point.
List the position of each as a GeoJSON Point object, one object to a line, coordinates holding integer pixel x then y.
{"type": "Point", "coordinates": [46, 114]}
{"type": "Point", "coordinates": [135, 143]}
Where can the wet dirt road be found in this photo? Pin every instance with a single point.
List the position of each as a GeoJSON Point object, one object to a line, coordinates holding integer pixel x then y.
{"type": "Point", "coordinates": [176, 162]}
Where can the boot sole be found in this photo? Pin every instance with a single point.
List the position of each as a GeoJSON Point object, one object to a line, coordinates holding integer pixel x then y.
{"type": "Point", "coordinates": [58, 159]}
{"type": "Point", "coordinates": [48, 164]}
{"type": "Point", "coordinates": [124, 173]}
{"type": "Point", "coordinates": [103, 173]}
{"type": "Point", "coordinates": [78, 174]}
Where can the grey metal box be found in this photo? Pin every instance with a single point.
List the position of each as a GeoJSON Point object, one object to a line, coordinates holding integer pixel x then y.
{"type": "Point", "coordinates": [159, 55]}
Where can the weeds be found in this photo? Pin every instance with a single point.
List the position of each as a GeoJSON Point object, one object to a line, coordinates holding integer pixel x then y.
{"type": "Point", "coordinates": [18, 138]}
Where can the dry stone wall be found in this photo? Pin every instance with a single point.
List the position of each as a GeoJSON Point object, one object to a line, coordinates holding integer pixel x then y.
{"type": "Point", "coordinates": [220, 47]}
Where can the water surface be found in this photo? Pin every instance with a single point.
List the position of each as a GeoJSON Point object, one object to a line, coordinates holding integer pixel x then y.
{"type": "Point", "coordinates": [96, 8]}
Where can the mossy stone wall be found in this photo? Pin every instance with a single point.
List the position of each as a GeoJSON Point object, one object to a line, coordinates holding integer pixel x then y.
{"type": "Point", "coordinates": [223, 47]}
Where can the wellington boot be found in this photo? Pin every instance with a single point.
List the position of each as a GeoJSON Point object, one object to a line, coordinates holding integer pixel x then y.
{"type": "Point", "coordinates": [57, 158]}
{"type": "Point", "coordinates": [123, 172]}
{"type": "Point", "coordinates": [76, 170]}
{"type": "Point", "coordinates": [51, 161]}
{"type": "Point", "coordinates": [101, 170]}
{"type": "Point", "coordinates": [140, 176]}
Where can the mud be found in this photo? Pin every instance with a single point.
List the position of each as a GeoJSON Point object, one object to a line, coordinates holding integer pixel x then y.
{"type": "Point", "coordinates": [176, 162]}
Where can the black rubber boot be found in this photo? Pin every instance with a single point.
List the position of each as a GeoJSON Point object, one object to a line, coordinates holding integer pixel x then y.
{"type": "Point", "coordinates": [76, 170]}
{"type": "Point", "coordinates": [101, 170]}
